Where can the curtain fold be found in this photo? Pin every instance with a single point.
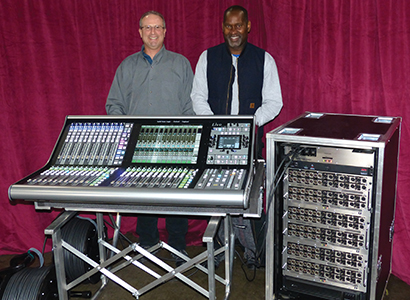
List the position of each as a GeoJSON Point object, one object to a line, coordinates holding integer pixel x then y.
{"type": "Point", "coordinates": [58, 58]}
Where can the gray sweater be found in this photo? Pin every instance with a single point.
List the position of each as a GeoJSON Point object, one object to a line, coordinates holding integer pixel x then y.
{"type": "Point", "coordinates": [157, 89]}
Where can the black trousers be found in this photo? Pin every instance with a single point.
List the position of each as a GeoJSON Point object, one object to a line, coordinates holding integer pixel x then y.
{"type": "Point", "coordinates": [147, 229]}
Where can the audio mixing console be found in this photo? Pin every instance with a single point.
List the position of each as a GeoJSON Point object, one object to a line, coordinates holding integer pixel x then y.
{"type": "Point", "coordinates": [189, 161]}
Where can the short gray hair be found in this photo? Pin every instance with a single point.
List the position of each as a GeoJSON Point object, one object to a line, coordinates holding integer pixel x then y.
{"type": "Point", "coordinates": [152, 12]}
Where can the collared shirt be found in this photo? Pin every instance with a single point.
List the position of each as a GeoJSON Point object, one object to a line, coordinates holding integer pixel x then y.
{"type": "Point", "coordinates": [157, 89]}
{"type": "Point", "coordinates": [147, 57]}
{"type": "Point", "coordinates": [271, 92]}
{"type": "Point", "coordinates": [235, 92]}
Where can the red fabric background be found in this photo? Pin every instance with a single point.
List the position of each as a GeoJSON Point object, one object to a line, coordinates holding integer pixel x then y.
{"type": "Point", "coordinates": [58, 58]}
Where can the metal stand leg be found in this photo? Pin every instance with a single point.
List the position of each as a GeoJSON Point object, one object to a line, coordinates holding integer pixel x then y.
{"type": "Point", "coordinates": [229, 253]}
{"type": "Point", "coordinates": [228, 249]}
{"type": "Point", "coordinates": [117, 227]}
{"type": "Point", "coordinates": [102, 251]}
{"type": "Point", "coordinates": [270, 269]}
{"type": "Point", "coordinates": [208, 238]}
{"type": "Point", "coordinates": [55, 231]}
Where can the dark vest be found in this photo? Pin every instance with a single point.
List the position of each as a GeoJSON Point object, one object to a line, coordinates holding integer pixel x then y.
{"type": "Point", "coordinates": [221, 75]}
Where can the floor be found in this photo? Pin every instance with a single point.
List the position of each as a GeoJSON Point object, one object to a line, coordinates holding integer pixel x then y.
{"type": "Point", "coordinates": [246, 283]}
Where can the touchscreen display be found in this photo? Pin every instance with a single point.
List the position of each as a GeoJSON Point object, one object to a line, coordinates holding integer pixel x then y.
{"type": "Point", "coordinates": [229, 142]}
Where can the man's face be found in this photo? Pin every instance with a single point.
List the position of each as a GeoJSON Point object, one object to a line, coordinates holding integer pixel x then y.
{"type": "Point", "coordinates": [153, 38]}
{"type": "Point", "coordinates": [235, 31]}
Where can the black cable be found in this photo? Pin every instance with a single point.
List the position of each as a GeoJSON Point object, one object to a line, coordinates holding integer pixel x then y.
{"type": "Point", "coordinates": [71, 234]}
{"type": "Point", "coordinates": [288, 159]}
{"type": "Point", "coordinates": [44, 245]}
{"type": "Point", "coordinates": [120, 233]}
{"type": "Point", "coordinates": [79, 233]}
{"type": "Point", "coordinates": [276, 180]}
{"type": "Point", "coordinates": [243, 269]}
{"type": "Point", "coordinates": [27, 284]}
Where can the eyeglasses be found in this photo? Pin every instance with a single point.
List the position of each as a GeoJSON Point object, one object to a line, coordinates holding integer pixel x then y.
{"type": "Point", "coordinates": [148, 28]}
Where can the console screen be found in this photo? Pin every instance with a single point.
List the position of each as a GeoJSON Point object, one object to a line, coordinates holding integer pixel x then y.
{"type": "Point", "coordinates": [175, 144]}
{"type": "Point", "coordinates": [229, 142]}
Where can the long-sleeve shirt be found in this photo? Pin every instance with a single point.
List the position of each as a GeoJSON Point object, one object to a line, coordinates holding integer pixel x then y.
{"type": "Point", "coordinates": [271, 92]}
{"type": "Point", "coordinates": [159, 88]}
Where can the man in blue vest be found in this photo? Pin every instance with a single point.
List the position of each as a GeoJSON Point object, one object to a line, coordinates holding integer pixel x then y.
{"type": "Point", "coordinates": [236, 77]}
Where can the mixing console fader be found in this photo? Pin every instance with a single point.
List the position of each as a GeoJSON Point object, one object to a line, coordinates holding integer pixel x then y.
{"type": "Point", "coordinates": [144, 160]}
{"type": "Point", "coordinates": [95, 143]}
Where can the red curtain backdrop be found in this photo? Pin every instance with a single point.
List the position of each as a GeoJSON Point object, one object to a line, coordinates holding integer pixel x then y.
{"type": "Point", "coordinates": [58, 58]}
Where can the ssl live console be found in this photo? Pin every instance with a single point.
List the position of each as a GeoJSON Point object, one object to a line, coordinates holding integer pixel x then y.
{"type": "Point", "coordinates": [192, 161]}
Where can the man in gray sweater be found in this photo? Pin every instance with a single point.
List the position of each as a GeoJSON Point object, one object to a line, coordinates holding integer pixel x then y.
{"type": "Point", "coordinates": [154, 82]}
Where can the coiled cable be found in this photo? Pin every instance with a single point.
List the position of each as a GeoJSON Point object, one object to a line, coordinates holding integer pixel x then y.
{"type": "Point", "coordinates": [32, 284]}
{"type": "Point", "coordinates": [82, 235]}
